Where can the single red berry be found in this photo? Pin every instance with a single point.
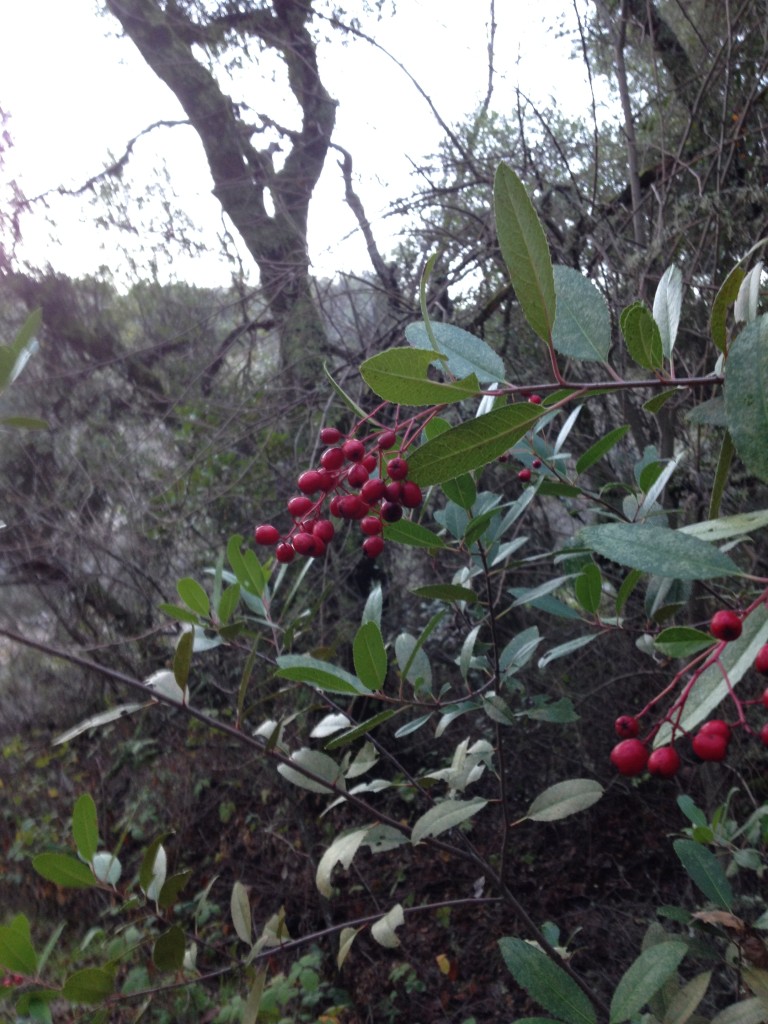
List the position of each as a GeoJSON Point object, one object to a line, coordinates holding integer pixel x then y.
{"type": "Point", "coordinates": [328, 480]}
{"type": "Point", "coordinates": [352, 506]}
{"type": "Point", "coordinates": [391, 511]}
{"type": "Point", "coordinates": [535, 399]}
{"type": "Point", "coordinates": [303, 543]}
{"type": "Point", "coordinates": [629, 757]}
{"type": "Point", "coordinates": [284, 553]}
{"type": "Point", "coordinates": [354, 449]}
{"type": "Point", "coordinates": [357, 475]}
{"type": "Point", "coordinates": [299, 506]}
{"type": "Point", "coordinates": [397, 469]}
{"type": "Point", "coordinates": [664, 762]}
{"type": "Point", "coordinates": [536, 464]}
{"type": "Point", "coordinates": [370, 462]}
{"type": "Point", "coordinates": [371, 526]}
{"type": "Point", "coordinates": [718, 727]}
{"type": "Point", "coordinates": [386, 439]}
{"type": "Point", "coordinates": [627, 727]}
{"type": "Point", "coordinates": [324, 529]}
{"type": "Point", "coordinates": [373, 491]}
{"type": "Point", "coordinates": [710, 746]}
{"type": "Point", "coordinates": [332, 458]}
{"type": "Point", "coordinates": [524, 475]}
{"type": "Point", "coordinates": [310, 482]}
{"type": "Point", "coordinates": [411, 496]}
{"type": "Point", "coordinates": [373, 546]}
{"type": "Point", "coordinates": [266, 534]}
{"type": "Point", "coordinates": [394, 491]}
{"type": "Point", "coordinates": [764, 735]}
{"type": "Point", "coordinates": [330, 435]}
{"type": "Point", "coordinates": [725, 625]}
{"type": "Point", "coordinates": [761, 661]}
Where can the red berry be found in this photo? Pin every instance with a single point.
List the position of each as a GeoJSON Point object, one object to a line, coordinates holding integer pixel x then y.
{"type": "Point", "coordinates": [627, 727]}
{"type": "Point", "coordinates": [397, 469]}
{"type": "Point", "coordinates": [764, 735]}
{"type": "Point", "coordinates": [324, 529]}
{"type": "Point", "coordinates": [391, 511]}
{"type": "Point", "coordinates": [308, 544]}
{"type": "Point", "coordinates": [330, 435]}
{"type": "Point", "coordinates": [310, 482]}
{"type": "Point", "coordinates": [284, 553]}
{"type": "Point", "coordinates": [629, 757]}
{"type": "Point", "coordinates": [761, 661]}
{"type": "Point", "coordinates": [370, 462]}
{"type": "Point", "coordinates": [394, 491]}
{"type": "Point", "coordinates": [328, 480]}
{"type": "Point", "coordinates": [373, 491]}
{"type": "Point", "coordinates": [411, 496]}
{"type": "Point", "coordinates": [718, 727]}
{"type": "Point", "coordinates": [664, 762]}
{"type": "Point", "coordinates": [358, 475]}
{"type": "Point", "coordinates": [725, 625]}
{"type": "Point", "coordinates": [299, 506]}
{"type": "Point", "coordinates": [524, 475]}
{"type": "Point", "coordinates": [371, 526]}
{"type": "Point", "coordinates": [373, 546]}
{"type": "Point", "coordinates": [266, 534]}
{"type": "Point", "coordinates": [352, 506]}
{"type": "Point", "coordinates": [710, 746]}
{"type": "Point", "coordinates": [332, 458]}
{"type": "Point", "coordinates": [386, 439]}
{"type": "Point", "coordinates": [536, 464]}
{"type": "Point", "coordinates": [354, 450]}
{"type": "Point", "coordinates": [535, 399]}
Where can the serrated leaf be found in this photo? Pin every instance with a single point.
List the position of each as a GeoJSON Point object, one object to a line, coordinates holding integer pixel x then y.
{"type": "Point", "coordinates": [85, 826]}
{"type": "Point", "coordinates": [472, 444]}
{"type": "Point", "coordinates": [563, 799]}
{"type": "Point", "coordinates": [444, 816]}
{"type": "Point", "coordinates": [582, 328]}
{"type": "Point", "coordinates": [465, 353]}
{"type": "Point", "coordinates": [168, 951]}
{"type": "Point", "coordinates": [91, 985]}
{"type": "Point", "coordinates": [193, 596]}
{"type": "Point", "coordinates": [642, 336]}
{"type": "Point", "coordinates": [329, 775]}
{"type": "Point", "coordinates": [413, 534]}
{"type": "Point", "coordinates": [17, 953]}
{"type": "Point", "coordinates": [63, 870]}
{"type": "Point", "coordinates": [644, 979]}
{"type": "Point", "coordinates": [449, 592]}
{"type": "Point", "coordinates": [725, 298]}
{"type": "Point", "coordinates": [705, 871]}
{"type": "Point", "coordinates": [240, 910]}
{"type": "Point", "coordinates": [660, 551]}
{"type": "Point", "coordinates": [400, 375]}
{"type": "Point", "coordinates": [526, 253]}
{"type": "Point", "coordinates": [369, 656]}
{"type": "Point", "coordinates": [303, 668]}
{"type": "Point", "coordinates": [746, 387]}
{"type": "Point", "coordinates": [600, 448]}
{"type": "Point", "coordinates": [546, 982]}
{"type": "Point", "coordinates": [667, 303]}
{"type": "Point", "coordinates": [682, 641]}
{"type": "Point", "coordinates": [341, 851]}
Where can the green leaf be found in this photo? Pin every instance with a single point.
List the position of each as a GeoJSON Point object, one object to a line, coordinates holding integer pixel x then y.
{"type": "Point", "coordinates": [653, 405]}
{"type": "Point", "coordinates": [63, 870]}
{"type": "Point", "coordinates": [600, 448]}
{"type": "Point", "coordinates": [341, 851]}
{"type": "Point", "coordinates": [168, 951]}
{"type": "Point", "coordinates": [240, 909]}
{"type": "Point", "coordinates": [746, 396]}
{"type": "Point", "coordinates": [563, 799]}
{"type": "Point", "coordinates": [710, 413]}
{"type": "Point", "coordinates": [641, 334]}
{"type": "Point", "coordinates": [728, 526]}
{"type": "Point", "coordinates": [147, 869]}
{"type": "Point", "coordinates": [644, 978]}
{"type": "Point", "coordinates": [724, 299]}
{"type": "Point", "coordinates": [465, 353]}
{"type": "Point", "coordinates": [686, 1000]}
{"type": "Point", "coordinates": [472, 444]}
{"type": "Point", "coordinates": [246, 567]}
{"type": "Point", "coordinates": [303, 668]}
{"type": "Point", "coordinates": [319, 764]}
{"type": "Point", "coordinates": [449, 592]}
{"type": "Point", "coordinates": [14, 356]}
{"type": "Point", "coordinates": [230, 599]}
{"type": "Point", "coordinates": [660, 551]}
{"type": "Point", "coordinates": [546, 982]}
{"type": "Point", "coordinates": [667, 303]}
{"type": "Point", "coordinates": [400, 375]}
{"type": "Point", "coordinates": [413, 534]}
{"type": "Point", "coordinates": [85, 827]}
{"type": "Point", "coordinates": [359, 730]}
{"type": "Point", "coordinates": [462, 490]}
{"type": "Point", "coordinates": [682, 641]}
{"type": "Point", "coordinates": [23, 422]}
{"type": "Point", "coordinates": [558, 712]}
{"type": "Point", "coordinates": [444, 816]}
{"type": "Point", "coordinates": [705, 871]}
{"type": "Point", "coordinates": [91, 985]}
{"type": "Point", "coordinates": [588, 588]}
{"type": "Point", "coordinates": [562, 650]}
{"type": "Point", "coordinates": [175, 611]}
{"type": "Point", "coordinates": [16, 950]}
{"type": "Point", "coordinates": [525, 251]}
{"type": "Point", "coordinates": [193, 596]}
{"type": "Point", "coordinates": [629, 583]}
{"type": "Point", "coordinates": [582, 328]}
{"type": "Point", "coordinates": [369, 656]}
{"type": "Point", "coordinates": [171, 888]}
{"type": "Point", "coordinates": [746, 1011]}
{"type": "Point", "coordinates": [182, 658]}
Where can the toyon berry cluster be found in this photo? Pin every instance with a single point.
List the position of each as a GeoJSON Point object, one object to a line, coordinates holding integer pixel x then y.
{"type": "Point", "coordinates": [357, 480]}
{"type": "Point", "coordinates": [631, 756]}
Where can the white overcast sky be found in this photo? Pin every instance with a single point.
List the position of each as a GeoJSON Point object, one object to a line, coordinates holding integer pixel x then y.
{"type": "Point", "coordinates": [76, 92]}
